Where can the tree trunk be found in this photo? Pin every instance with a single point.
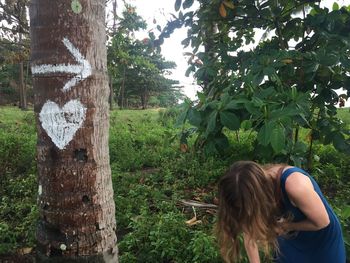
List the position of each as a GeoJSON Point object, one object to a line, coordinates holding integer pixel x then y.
{"type": "Point", "coordinates": [122, 90]}
{"type": "Point", "coordinates": [111, 93]}
{"type": "Point", "coordinates": [144, 98]}
{"type": "Point", "coordinates": [22, 85]}
{"type": "Point", "coordinates": [114, 16]}
{"type": "Point", "coordinates": [75, 199]}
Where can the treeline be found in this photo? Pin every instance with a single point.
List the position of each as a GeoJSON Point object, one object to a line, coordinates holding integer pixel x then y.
{"type": "Point", "coordinates": [138, 73]}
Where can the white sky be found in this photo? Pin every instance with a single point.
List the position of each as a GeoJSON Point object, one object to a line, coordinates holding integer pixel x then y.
{"type": "Point", "coordinates": [172, 49]}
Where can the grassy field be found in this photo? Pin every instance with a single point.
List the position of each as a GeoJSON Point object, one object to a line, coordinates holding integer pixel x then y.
{"type": "Point", "coordinates": [151, 175]}
{"type": "Point", "coordinates": [344, 115]}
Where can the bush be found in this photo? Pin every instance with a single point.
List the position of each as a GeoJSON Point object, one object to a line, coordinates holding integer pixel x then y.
{"type": "Point", "coordinates": [332, 171]}
{"type": "Point", "coordinates": [204, 248]}
{"type": "Point", "coordinates": [169, 116]}
{"type": "Point", "coordinates": [17, 152]}
{"type": "Point", "coordinates": [18, 212]}
{"type": "Point", "coordinates": [7, 238]}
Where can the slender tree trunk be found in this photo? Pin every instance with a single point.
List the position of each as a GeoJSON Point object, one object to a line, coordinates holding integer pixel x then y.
{"type": "Point", "coordinates": [144, 98]}
{"type": "Point", "coordinates": [22, 85]}
{"type": "Point", "coordinates": [114, 16]}
{"type": "Point", "coordinates": [111, 93]}
{"type": "Point", "coordinates": [122, 90]}
{"type": "Point", "coordinates": [75, 199]}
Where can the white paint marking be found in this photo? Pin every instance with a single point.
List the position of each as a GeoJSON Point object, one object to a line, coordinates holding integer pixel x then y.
{"type": "Point", "coordinates": [82, 70]}
{"type": "Point", "coordinates": [40, 190]}
{"type": "Point", "coordinates": [62, 124]}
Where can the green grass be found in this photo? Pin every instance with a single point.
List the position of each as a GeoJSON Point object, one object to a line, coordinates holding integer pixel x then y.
{"type": "Point", "coordinates": [344, 115]}
{"type": "Point", "coordinates": [136, 115]}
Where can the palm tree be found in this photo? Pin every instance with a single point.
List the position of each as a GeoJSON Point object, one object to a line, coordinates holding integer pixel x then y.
{"type": "Point", "coordinates": [75, 199]}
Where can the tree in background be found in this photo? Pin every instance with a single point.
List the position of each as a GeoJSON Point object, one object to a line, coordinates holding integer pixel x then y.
{"type": "Point", "coordinates": [14, 39]}
{"type": "Point", "coordinates": [285, 80]}
{"type": "Point", "coordinates": [138, 69]}
{"type": "Point", "coordinates": [75, 196]}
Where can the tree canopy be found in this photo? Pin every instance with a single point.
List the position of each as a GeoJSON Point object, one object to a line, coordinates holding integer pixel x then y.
{"type": "Point", "coordinates": [138, 69]}
{"type": "Point", "coordinates": [298, 55]}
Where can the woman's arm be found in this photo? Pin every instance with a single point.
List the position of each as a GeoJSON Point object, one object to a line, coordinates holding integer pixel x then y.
{"type": "Point", "coordinates": [302, 194]}
{"type": "Point", "coordinates": [251, 249]}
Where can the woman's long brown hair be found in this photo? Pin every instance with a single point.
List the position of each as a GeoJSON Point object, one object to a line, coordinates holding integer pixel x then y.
{"type": "Point", "coordinates": [247, 203]}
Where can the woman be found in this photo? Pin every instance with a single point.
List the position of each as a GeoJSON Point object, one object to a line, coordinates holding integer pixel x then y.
{"type": "Point", "coordinates": [280, 208]}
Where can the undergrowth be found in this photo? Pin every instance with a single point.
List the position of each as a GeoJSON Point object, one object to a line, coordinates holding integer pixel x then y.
{"type": "Point", "coordinates": [151, 176]}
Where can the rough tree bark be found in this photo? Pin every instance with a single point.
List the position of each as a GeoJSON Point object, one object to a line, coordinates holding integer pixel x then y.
{"type": "Point", "coordinates": [69, 67]}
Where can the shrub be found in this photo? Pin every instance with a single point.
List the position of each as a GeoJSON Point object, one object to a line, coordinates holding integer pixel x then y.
{"type": "Point", "coordinates": [169, 116]}
{"type": "Point", "coordinates": [7, 238]}
{"type": "Point", "coordinates": [18, 212]}
{"type": "Point", "coordinates": [204, 248]}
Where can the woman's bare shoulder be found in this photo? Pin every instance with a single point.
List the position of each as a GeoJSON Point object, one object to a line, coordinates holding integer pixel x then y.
{"type": "Point", "coordinates": [298, 185]}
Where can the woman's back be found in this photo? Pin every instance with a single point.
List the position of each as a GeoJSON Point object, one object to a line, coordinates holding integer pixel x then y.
{"type": "Point", "coordinates": [322, 246]}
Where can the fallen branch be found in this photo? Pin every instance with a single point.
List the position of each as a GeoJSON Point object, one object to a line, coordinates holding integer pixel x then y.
{"type": "Point", "coordinates": [193, 203]}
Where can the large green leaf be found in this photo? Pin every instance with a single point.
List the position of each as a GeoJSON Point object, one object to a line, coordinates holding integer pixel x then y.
{"type": "Point", "coordinates": [265, 93]}
{"type": "Point", "coordinates": [189, 70]}
{"type": "Point", "coordinates": [187, 3]}
{"type": "Point", "coordinates": [340, 143]}
{"type": "Point", "coordinates": [178, 5]}
{"type": "Point", "coordinates": [277, 138]}
{"type": "Point", "coordinates": [252, 109]}
{"type": "Point", "coordinates": [264, 135]}
{"type": "Point", "coordinates": [329, 59]}
{"type": "Point", "coordinates": [246, 124]}
{"type": "Point", "coordinates": [229, 120]}
{"type": "Point", "coordinates": [288, 111]}
{"type": "Point", "coordinates": [236, 104]}
{"type": "Point", "coordinates": [211, 122]}
{"type": "Point", "coordinates": [194, 117]}
{"type": "Point", "coordinates": [221, 141]}
{"type": "Point", "coordinates": [311, 66]}
{"type": "Point", "coordinates": [335, 6]}
{"type": "Point", "coordinates": [181, 119]}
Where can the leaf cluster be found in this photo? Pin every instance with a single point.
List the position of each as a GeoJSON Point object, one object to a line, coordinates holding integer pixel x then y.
{"type": "Point", "coordinates": [271, 66]}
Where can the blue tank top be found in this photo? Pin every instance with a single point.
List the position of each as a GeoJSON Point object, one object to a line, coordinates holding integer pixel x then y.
{"type": "Point", "coordinates": [322, 246]}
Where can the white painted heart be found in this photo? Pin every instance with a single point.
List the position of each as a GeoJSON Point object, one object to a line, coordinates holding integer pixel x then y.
{"type": "Point", "coordinates": [61, 124]}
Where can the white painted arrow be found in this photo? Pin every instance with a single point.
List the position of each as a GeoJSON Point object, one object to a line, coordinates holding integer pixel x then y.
{"type": "Point", "coordinates": [82, 70]}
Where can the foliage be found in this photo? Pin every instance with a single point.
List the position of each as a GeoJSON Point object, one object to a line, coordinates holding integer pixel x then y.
{"type": "Point", "coordinates": [344, 115]}
{"type": "Point", "coordinates": [7, 73]}
{"type": "Point", "coordinates": [18, 211]}
{"type": "Point", "coordinates": [285, 81]}
{"type": "Point", "coordinates": [17, 140]}
{"type": "Point", "coordinates": [14, 48]}
{"type": "Point", "coordinates": [137, 69]}
{"type": "Point", "coordinates": [131, 149]}
{"type": "Point", "coordinates": [343, 212]}
{"type": "Point", "coordinates": [14, 13]}
{"type": "Point", "coordinates": [150, 176]}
